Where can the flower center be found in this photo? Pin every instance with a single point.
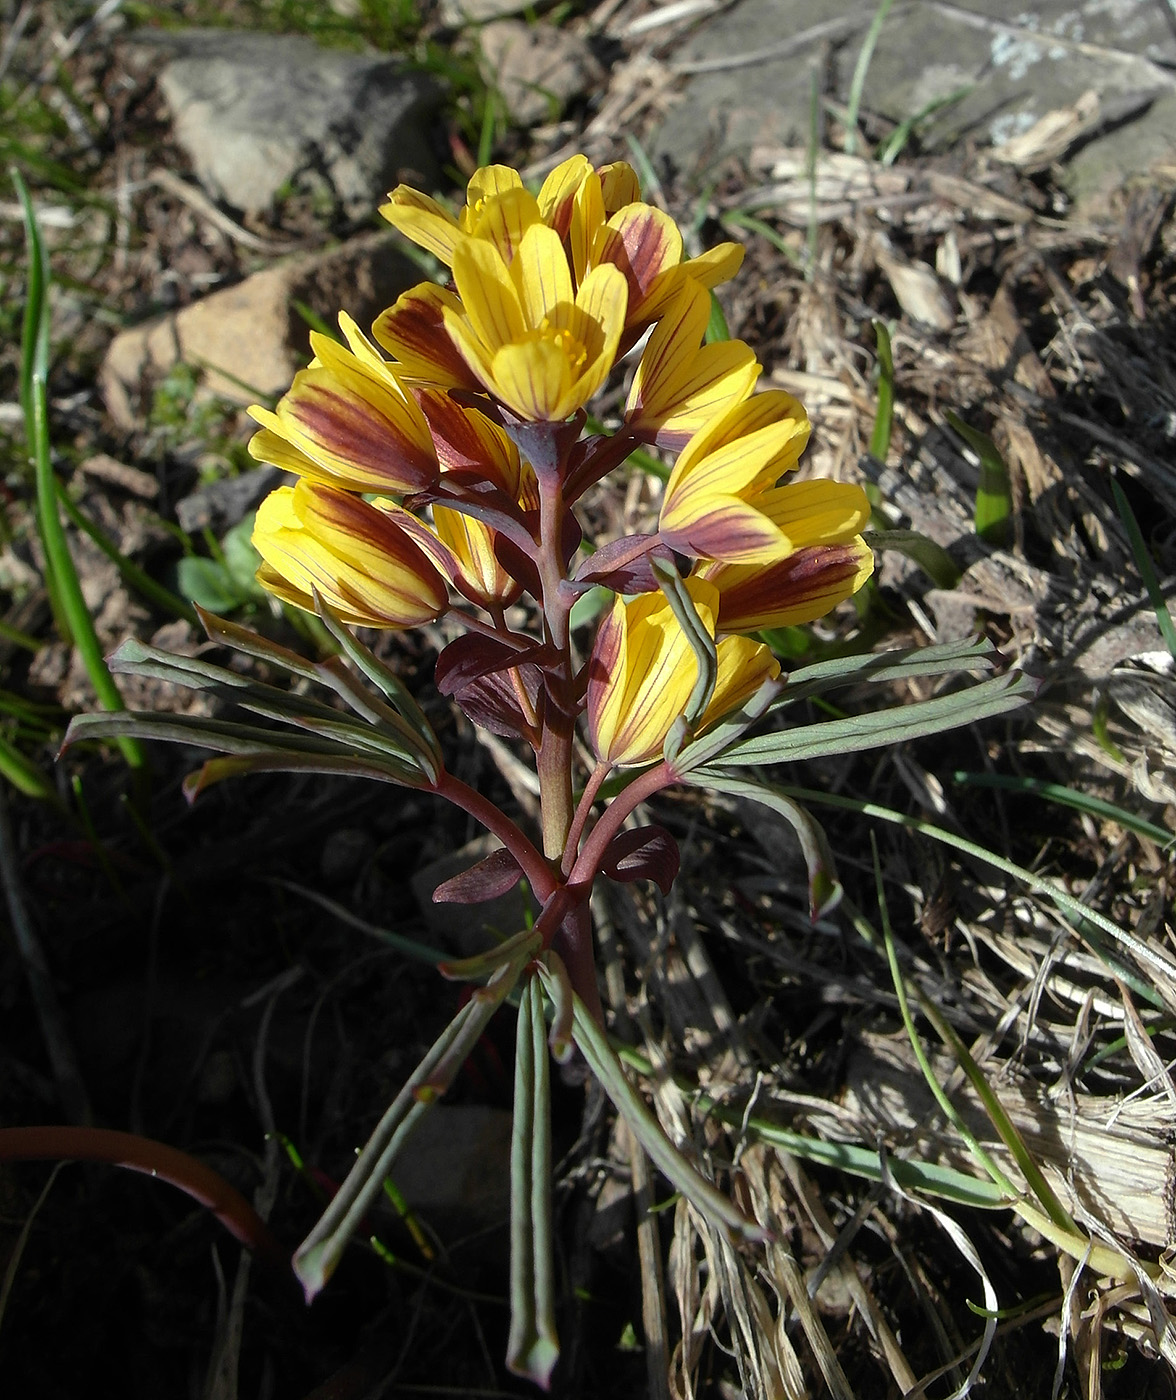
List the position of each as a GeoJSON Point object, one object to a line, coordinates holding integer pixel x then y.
{"type": "Point", "coordinates": [573, 350]}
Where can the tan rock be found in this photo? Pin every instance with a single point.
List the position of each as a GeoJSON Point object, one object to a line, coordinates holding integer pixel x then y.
{"type": "Point", "coordinates": [537, 68]}
{"type": "Point", "coordinates": [248, 339]}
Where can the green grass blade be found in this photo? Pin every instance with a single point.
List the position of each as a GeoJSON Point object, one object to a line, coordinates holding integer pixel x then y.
{"type": "Point", "coordinates": [884, 416]}
{"type": "Point", "coordinates": [1067, 797]}
{"type": "Point", "coordinates": [896, 142]}
{"type": "Point", "coordinates": [994, 499]}
{"type": "Point", "coordinates": [138, 578]}
{"type": "Point", "coordinates": [1158, 962]}
{"type": "Point", "coordinates": [1147, 570]}
{"type": "Point", "coordinates": [24, 774]}
{"type": "Point", "coordinates": [858, 82]}
{"type": "Point", "coordinates": [34, 383]}
{"type": "Point", "coordinates": [716, 327]}
{"type": "Point", "coordinates": [737, 218]}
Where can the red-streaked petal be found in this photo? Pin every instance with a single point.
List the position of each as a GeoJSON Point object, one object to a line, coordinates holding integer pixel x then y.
{"type": "Point", "coordinates": [413, 330]}
{"type": "Point", "coordinates": [729, 529]}
{"type": "Point", "coordinates": [800, 588]}
{"type": "Point", "coordinates": [644, 243]}
{"type": "Point", "coordinates": [587, 218]}
{"type": "Point", "coordinates": [466, 441]}
{"type": "Point", "coordinates": [358, 431]}
{"type": "Point", "coordinates": [559, 190]}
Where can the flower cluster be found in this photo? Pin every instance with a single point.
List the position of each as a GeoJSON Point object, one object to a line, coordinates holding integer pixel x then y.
{"type": "Point", "coordinates": [438, 462]}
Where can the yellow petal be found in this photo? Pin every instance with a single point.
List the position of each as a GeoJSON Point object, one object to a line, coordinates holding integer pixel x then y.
{"type": "Point", "coordinates": [487, 294]}
{"type": "Point", "coordinates": [743, 667]}
{"type": "Point", "coordinates": [533, 377]}
{"type": "Point", "coordinates": [504, 220]}
{"type": "Point", "coordinates": [816, 512]}
{"type": "Point", "coordinates": [489, 181]}
{"type": "Point", "coordinates": [587, 219]}
{"type": "Point", "coordinates": [423, 220]}
{"type": "Point", "coordinates": [717, 265]}
{"type": "Point", "coordinates": [619, 185]}
{"type": "Point", "coordinates": [541, 275]}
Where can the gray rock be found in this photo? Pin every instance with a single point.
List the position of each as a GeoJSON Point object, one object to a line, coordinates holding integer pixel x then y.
{"type": "Point", "coordinates": [537, 68]}
{"type": "Point", "coordinates": [248, 339]}
{"type": "Point", "coordinates": [257, 113]}
{"type": "Point", "coordinates": [747, 71]}
{"type": "Point", "coordinates": [455, 1170]}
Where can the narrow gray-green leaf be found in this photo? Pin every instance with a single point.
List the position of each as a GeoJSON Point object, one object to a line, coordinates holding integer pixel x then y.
{"type": "Point", "coordinates": [889, 726]}
{"type": "Point", "coordinates": [316, 1258]}
{"type": "Point", "coordinates": [920, 549]}
{"type": "Point", "coordinates": [825, 889]}
{"type": "Point", "coordinates": [533, 1347]}
{"type": "Point", "coordinates": [972, 654]}
{"type": "Point", "coordinates": [701, 641]}
{"type": "Point", "coordinates": [701, 1193]}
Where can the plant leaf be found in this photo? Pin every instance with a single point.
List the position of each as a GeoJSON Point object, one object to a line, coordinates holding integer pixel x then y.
{"type": "Point", "coordinates": [894, 725]}
{"type": "Point", "coordinates": [932, 558]}
{"type": "Point", "coordinates": [825, 888]}
{"type": "Point", "coordinates": [994, 501]}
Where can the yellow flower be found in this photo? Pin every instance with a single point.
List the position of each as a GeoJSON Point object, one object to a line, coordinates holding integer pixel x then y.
{"type": "Point", "coordinates": [722, 501]}
{"type": "Point", "coordinates": [609, 224]}
{"type": "Point", "coordinates": [346, 421]}
{"type": "Point", "coordinates": [801, 587]}
{"type": "Point", "coordinates": [367, 561]}
{"type": "Point", "coordinates": [643, 670]}
{"type": "Point", "coordinates": [681, 384]}
{"type": "Point", "coordinates": [598, 213]}
{"type": "Point", "coordinates": [537, 348]}
{"type": "Point", "coordinates": [498, 209]}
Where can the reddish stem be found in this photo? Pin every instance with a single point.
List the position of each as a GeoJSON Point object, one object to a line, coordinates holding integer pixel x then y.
{"type": "Point", "coordinates": [534, 867]}
{"type": "Point", "coordinates": [583, 808]}
{"type": "Point", "coordinates": [140, 1154]}
{"type": "Point", "coordinates": [587, 864]}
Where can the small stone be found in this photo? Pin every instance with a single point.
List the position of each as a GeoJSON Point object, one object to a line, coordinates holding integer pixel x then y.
{"type": "Point", "coordinates": [258, 114]}
{"type": "Point", "coordinates": [455, 1169]}
{"type": "Point", "coordinates": [221, 504]}
{"type": "Point", "coordinates": [248, 339]}
{"type": "Point", "coordinates": [537, 68]}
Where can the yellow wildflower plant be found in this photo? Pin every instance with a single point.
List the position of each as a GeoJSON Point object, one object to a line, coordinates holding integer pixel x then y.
{"type": "Point", "coordinates": [643, 669]}
{"type": "Point", "coordinates": [471, 439]}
